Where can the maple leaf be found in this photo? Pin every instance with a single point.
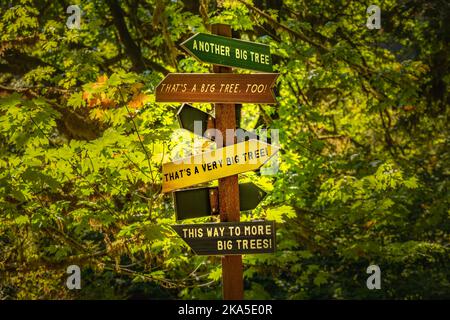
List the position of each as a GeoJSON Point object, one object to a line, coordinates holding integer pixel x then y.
{"type": "Point", "coordinates": [86, 95]}
{"type": "Point", "coordinates": [108, 103]}
{"type": "Point", "coordinates": [135, 88]}
{"type": "Point", "coordinates": [101, 81]}
{"type": "Point", "coordinates": [98, 114]}
{"type": "Point", "coordinates": [138, 100]}
{"type": "Point", "coordinates": [93, 102]}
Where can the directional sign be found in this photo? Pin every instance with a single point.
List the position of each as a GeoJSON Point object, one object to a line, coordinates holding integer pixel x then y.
{"type": "Point", "coordinates": [229, 52]}
{"type": "Point", "coordinates": [228, 238]}
{"type": "Point", "coordinates": [217, 88]}
{"type": "Point", "coordinates": [201, 202]}
{"type": "Point", "coordinates": [197, 122]}
{"type": "Point", "coordinates": [216, 164]}
{"type": "Point", "coordinates": [187, 115]}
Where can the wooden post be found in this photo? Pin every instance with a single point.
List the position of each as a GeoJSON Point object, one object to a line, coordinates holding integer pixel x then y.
{"type": "Point", "coordinates": [232, 269]}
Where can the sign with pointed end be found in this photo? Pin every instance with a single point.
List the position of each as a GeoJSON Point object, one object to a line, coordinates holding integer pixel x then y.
{"type": "Point", "coordinates": [250, 195]}
{"type": "Point", "coordinates": [223, 162]}
{"type": "Point", "coordinates": [228, 238]}
{"type": "Point", "coordinates": [187, 116]}
{"type": "Point", "coordinates": [217, 88]}
{"type": "Point", "coordinates": [203, 202]}
{"type": "Point", "coordinates": [229, 52]}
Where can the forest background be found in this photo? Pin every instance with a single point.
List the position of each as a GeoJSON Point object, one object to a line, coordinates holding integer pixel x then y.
{"type": "Point", "coordinates": [364, 162]}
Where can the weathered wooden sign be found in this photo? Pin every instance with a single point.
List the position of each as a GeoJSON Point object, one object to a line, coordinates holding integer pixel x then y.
{"type": "Point", "coordinates": [229, 52]}
{"type": "Point", "coordinates": [228, 238]}
{"type": "Point", "coordinates": [202, 202]}
{"type": "Point", "coordinates": [188, 115]}
{"type": "Point", "coordinates": [216, 164]}
{"type": "Point", "coordinates": [217, 88]}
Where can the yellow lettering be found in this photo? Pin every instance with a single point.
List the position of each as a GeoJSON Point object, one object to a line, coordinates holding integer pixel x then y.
{"type": "Point", "coordinates": [260, 230]}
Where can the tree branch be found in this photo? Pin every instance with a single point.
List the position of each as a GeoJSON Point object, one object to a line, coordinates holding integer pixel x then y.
{"type": "Point", "coordinates": [131, 48]}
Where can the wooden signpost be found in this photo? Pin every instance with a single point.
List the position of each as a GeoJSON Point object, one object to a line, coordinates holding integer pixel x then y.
{"type": "Point", "coordinates": [229, 238]}
{"type": "Point", "coordinates": [229, 52]}
{"type": "Point", "coordinates": [223, 162]}
{"type": "Point", "coordinates": [232, 268]}
{"type": "Point", "coordinates": [217, 88]}
{"type": "Point", "coordinates": [202, 202]}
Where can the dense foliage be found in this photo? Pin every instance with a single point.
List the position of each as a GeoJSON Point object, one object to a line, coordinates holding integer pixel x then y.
{"type": "Point", "coordinates": [363, 120]}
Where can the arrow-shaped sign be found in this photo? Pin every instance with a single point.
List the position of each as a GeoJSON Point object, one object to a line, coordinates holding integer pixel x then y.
{"type": "Point", "coordinates": [202, 202]}
{"type": "Point", "coordinates": [187, 116]}
{"type": "Point", "coordinates": [223, 162]}
{"type": "Point", "coordinates": [229, 52]}
{"type": "Point", "coordinates": [217, 88]}
{"type": "Point", "coordinates": [227, 238]}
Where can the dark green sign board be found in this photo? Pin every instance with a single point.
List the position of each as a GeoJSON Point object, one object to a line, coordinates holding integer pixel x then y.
{"type": "Point", "coordinates": [201, 202]}
{"type": "Point", "coordinates": [228, 238]}
{"type": "Point", "coordinates": [229, 52]}
{"type": "Point", "coordinates": [187, 116]}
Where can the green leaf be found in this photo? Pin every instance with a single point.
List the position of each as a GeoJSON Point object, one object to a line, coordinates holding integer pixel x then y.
{"type": "Point", "coordinates": [22, 220]}
{"type": "Point", "coordinates": [279, 214]}
{"type": "Point", "coordinates": [76, 100]}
